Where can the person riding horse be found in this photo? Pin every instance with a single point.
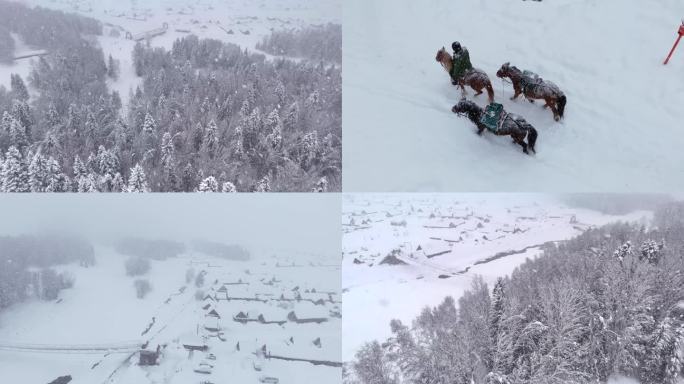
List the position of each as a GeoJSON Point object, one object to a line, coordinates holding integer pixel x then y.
{"type": "Point", "coordinates": [461, 60]}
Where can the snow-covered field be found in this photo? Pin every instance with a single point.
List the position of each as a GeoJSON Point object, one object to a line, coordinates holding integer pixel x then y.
{"type": "Point", "coordinates": [242, 22]}
{"type": "Point", "coordinates": [444, 241]}
{"type": "Point", "coordinates": [294, 242]}
{"type": "Point", "coordinates": [623, 124]}
{"type": "Point", "coordinates": [102, 309]}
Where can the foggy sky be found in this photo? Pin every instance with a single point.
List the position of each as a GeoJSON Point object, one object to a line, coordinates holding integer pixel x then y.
{"type": "Point", "coordinates": [306, 223]}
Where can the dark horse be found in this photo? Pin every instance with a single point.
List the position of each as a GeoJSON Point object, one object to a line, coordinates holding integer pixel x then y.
{"type": "Point", "coordinates": [511, 124]}
{"type": "Point", "coordinates": [477, 79]}
{"type": "Point", "coordinates": [533, 87]}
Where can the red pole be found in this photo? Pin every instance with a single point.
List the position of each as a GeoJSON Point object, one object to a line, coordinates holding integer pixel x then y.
{"type": "Point", "coordinates": [681, 33]}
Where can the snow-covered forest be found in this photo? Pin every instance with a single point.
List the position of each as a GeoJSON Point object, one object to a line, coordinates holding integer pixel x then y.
{"type": "Point", "coordinates": [607, 302]}
{"type": "Point", "coordinates": [207, 115]}
{"type": "Point", "coordinates": [26, 261]}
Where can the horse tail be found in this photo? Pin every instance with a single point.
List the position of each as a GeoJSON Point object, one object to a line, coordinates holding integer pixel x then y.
{"type": "Point", "coordinates": [561, 105]}
{"type": "Point", "coordinates": [490, 91]}
{"type": "Point", "coordinates": [531, 138]}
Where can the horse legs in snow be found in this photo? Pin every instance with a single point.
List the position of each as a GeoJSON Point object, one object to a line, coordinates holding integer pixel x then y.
{"type": "Point", "coordinates": [556, 116]}
{"type": "Point", "coordinates": [463, 91]}
{"type": "Point", "coordinates": [521, 141]}
{"type": "Point", "coordinates": [516, 92]}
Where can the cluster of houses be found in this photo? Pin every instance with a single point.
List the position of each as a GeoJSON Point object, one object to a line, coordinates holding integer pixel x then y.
{"type": "Point", "coordinates": [211, 328]}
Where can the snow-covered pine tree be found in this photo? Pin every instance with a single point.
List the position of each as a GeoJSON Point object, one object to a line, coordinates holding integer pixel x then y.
{"type": "Point", "coordinates": [274, 128]}
{"type": "Point", "coordinates": [79, 168]}
{"type": "Point", "coordinates": [168, 161]}
{"type": "Point", "coordinates": [149, 125]}
{"type": "Point", "coordinates": [665, 362]}
{"type": "Point", "coordinates": [208, 185]}
{"type": "Point", "coordinates": [188, 178]}
{"type": "Point", "coordinates": [57, 180]}
{"type": "Point", "coordinates": [229, 187]}
{"type": "Point", "coordinates": [308, 149]}
{"type": "Point", "coordinates": [321, 185]}
{"type": "Point", "coordinates": [21, 111]}
{"type": "Point", "coordinates": [210, 142]}
{"type": "Point", "coordinates": [650, 251]}
{"type": "Point", "coordinates": [118, 184]}
{"type": "Point", "coordinates": [372, 366]}
{"type": "Point", "coordinates": [279, 92]}
{"type": "Point", "coordinates": [15, 176]}
{"type": "Point", "coordinates": [17, 134]}
{"type": "Point", "coordinates": [496, 313]}
{"type": "Point", "coordinates": [6, 122]}
{"type": "Point", "coordinates": [107, 162]}
{"type": "Point", "coordinates": [92, 165]}
{"type": "Point", "coordinates": [263, 185]}
{"type": "Point", "coordinates": [137, 181]}
{"type": "Point", "coordinates": [18, 88]}
{"type": "Point", "coordinates": [88, 183]}
{"type": "Point", "coordinates": [623, 252]}
{"type": "Point", "coordinates": [292, 117]}
{"type": "Point", "coordinates": [39, 170]}
{"type": "Point", "coordinates": [112, 68]}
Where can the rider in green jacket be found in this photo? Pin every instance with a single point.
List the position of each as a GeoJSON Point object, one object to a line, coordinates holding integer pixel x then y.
{"type": "Point", "coordinates": [461, 62]}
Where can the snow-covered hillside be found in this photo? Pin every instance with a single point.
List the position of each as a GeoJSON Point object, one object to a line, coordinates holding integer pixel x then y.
{"type": "Point", "coordinates": [102, 310]}
{"type": "Point", "coordinates": [241, 22]}
{"type": "Point", "coordinates": [436, 245]}
{"type": "Point", "coordinates": [623, 124]}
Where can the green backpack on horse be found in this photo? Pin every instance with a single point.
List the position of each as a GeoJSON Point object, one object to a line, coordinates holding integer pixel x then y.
{"type": "Point", "coordinates": [462, 64]}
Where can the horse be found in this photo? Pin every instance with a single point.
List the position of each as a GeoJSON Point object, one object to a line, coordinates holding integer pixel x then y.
{"type": "Point", "coordinates": [477, 79]}
{"type": "Point", "coordinates": [511, 125]}
{"type": "Point", "coordinates": [535, 88]}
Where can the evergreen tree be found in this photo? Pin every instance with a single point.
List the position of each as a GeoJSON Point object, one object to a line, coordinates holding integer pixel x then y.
{"type": "Point", "coordinates": [168, 160]}
{"type": "Point", "coordinates": [137, 181]}
{"type": "Point", "coordinates": [118, 184]}
{"type": "Point", "coordinates": [112, 68]}
{"type": "Point", "coordinates": [188, 178]}
{"type": "Point", "coordinates": [229, 187]}
{"type": "Point", "coordinates": [80, 169]}
{"type": "Point", "coordinates": [496, 314]}
{"type": "Point", "coordinates": [15, 177]}
{"type": "Point", "coordinates": [18, 88]}
{"type": "Point", "coordinates": [6, 122]}
{"type": "Point", "coordinates": [57, 180]}
{"type": "Point", "coordinates": [321, 186]}
{"type": "Point", "coordinates": [149, 125]}
{"type": "Point", "coordinates": [208, 185]}
{"type": "Point", "coordinates": [372, 366]}
{"type": "Point", "coordinates": [88, 183]}
{"type": "Point", "coordinates": [39, 173]}
{"type": "Point", "coordinates": [263, 185]}
{"type": "Point", "coordinates": [210, 142]}
{"type": "Point", "coordinates": [17, 134]}
{"type": "Point", "coordinates": [22, 112]}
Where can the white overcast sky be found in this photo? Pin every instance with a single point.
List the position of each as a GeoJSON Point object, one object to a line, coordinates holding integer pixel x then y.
{"type": "Point", "coordinates": [307, 223]}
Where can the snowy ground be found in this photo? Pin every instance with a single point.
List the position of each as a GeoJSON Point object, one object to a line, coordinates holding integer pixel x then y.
{"type": "Point", "coordinates": [242, 22]}
{"type": "Point", "coordinates": [445, 241]}
{"type": "Point", "coordinates": [102, 309]}
{"type": "Point", "coordinates": [20, 67]}
{"type": "Point", "coordinates": [623, 124]}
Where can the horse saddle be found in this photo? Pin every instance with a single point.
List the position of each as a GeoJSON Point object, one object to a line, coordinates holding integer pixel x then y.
{"type": "Point", "coordinates": [530, 79]}
{"type": "Point", "coordinates": [492, 116]}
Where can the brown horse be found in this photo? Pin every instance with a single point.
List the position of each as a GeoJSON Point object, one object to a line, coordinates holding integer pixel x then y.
{"type": "Point", "coordinates": [477, 79]}
{"type": "Point", "coordinates": [533, 87]}
{"type": "Point", "coordinates": [511, 124]}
